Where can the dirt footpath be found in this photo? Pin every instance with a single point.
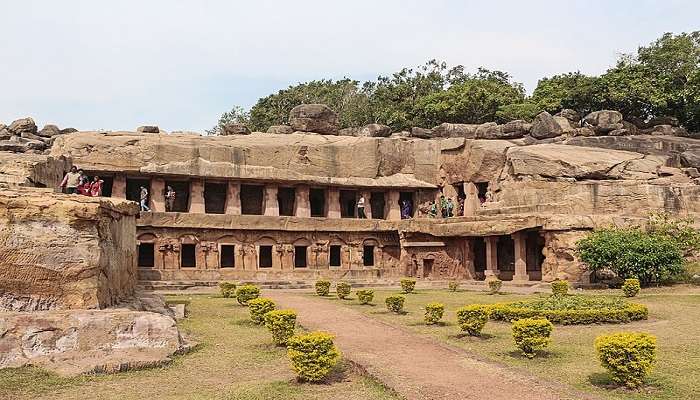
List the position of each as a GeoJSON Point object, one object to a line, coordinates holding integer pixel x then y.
{"type": "Point", "coordinates": [416, 367]}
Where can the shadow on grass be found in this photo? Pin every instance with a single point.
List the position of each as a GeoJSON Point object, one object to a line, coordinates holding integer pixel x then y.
{"type": "Point", "coordinates": [247, 322]}
{"type": "Point", "coordinates": [539, 354]}
{"type": "Point", "coordinates": [464, 335]}
{"type": "Point", "coordinates": [437, 324]}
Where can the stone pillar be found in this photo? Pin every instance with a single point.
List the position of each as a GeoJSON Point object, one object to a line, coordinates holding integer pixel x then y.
{"type": "Point", "coordinates": [301, 202]}
{"type": "Point", "coordinates": [471, 201]}
{"type": "Point", "coordinates": [333, 203]}
{"type": "Point", "coordinates": [393, 207]}
{"type": "Point", "coordinates": [491, 256]}
{"type": "Point", "coordinates": [119, 186]}
{"type": "Point", "coordinates": [520, 257]}
{"type": "Point", "coordinates": [157, 194]}
{"type": "Point", "coordinates": [233, 199]}
{"type": "Point", "coordinates": [368, 203]}
{"type": "Point", "coordinates": [272, 207]}
{"type": "Point", "coordinates": [197, 196]}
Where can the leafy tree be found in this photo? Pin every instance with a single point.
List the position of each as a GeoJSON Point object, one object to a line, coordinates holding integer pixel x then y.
{"type": "Point", "coordinates": [571, 90]}
{"type": "Point", "coordinates": [237, 115]}
{"type": "Point", "coordinates": [525, 111]}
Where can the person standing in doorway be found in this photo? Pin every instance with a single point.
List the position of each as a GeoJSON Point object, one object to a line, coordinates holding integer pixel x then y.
{"type": "Point", "coordinates": [144, 199]}
{"type": "Point", "coordinates": [450, 207]}
{"type": "Point", "coordinates": [169, 198]}
{"type": "Point", "coordinates": [361, 207]}
{"type": "Point", "coordinates": [443, 206]}
{"type": "Point", "coordinates": [71, 181]}
{"type": "Point", "coordinates": [96, 186]}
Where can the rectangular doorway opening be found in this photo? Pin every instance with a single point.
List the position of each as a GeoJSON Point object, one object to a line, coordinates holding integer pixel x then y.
{"type": "Point", "coordinates": [377, 202]}
{"type": "Point", "coordinates": [107, 183]}
{"type": "Point", "coordinates": [479, 249]}
{"type": "Point", "coordinates": [188, 258]}
{"type": "Point", "coordinates": [481, 188]}
{"type": "Point", "coordinates": [428, 267]}
{"type": "Point", "coordinates": [317, 202]}
{"type": "Point", "coordinates": [133, 189]}
{"type": "Point", "coordinates": [181, 202]}
{"type": "Point", "coordinates": [286, 197]}
{"type": "Point", "coordinates": [348, 203]}
{"type": "Point", "coordinates": [146, 258]}
{"type": "Point", "coordinates": [251, 200]}
{"type": "Point", "coordinates": [334, 255]}
{"type": "Point", "coordinates": [406, 204]}
{"type": "Point", "coordinates": [215, 197]}
{"type": "Point", "coordinates": [227, 256]}
{"type": "Point", "coordinates": [265, 257]}
{"type": "Point", "coordinates": [299, 256]}
{"type": "Point", "coordinates": [368, 256]}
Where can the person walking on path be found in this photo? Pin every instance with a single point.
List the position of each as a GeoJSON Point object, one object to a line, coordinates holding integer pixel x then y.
{"type": "Point", "coordinates": [169, 198]}
{"type": "Point", "coordinates": [144, 199]}
{"type": "Point", "coordinates": [71, 181]}
{"type": "Point", "coordinates": [361, 208]}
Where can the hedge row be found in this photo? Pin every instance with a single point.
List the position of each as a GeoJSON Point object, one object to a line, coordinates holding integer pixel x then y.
{"type": "Point", "coordinates": [514, 311]}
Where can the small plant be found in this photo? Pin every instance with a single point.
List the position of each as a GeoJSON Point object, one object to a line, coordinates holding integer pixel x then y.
{"type": "Point", "coordinates": [532, 334]}
{"type": "Point", "coordinates": [313, 355]}
{"type": "Point", "coordinates": [228, 289]}
{"type": "Point", "coordinates": [259, 307]}
{"type": "Point", "coordinates": [323, 287]}
{"type": "Point", "coordinates": [408, 285]}
{"type": "Point", "coordinates": [628, 357]}
{"type": "Point", "coordinates": [342, 289]}
{"type": "Point", "coordinates": [452, 286]}
{"type": "Point", "coordinates": [281, 324]}
{"type": "Point", "coordinates": [395, 303]}
{"type": "Point", "coordinates": [495, 285]}
{"type": "Point", "coordinates": [472, 318]}
{"type": "Point", "coordinates": [631, 287]}
{"type": "Point", "coordinates": [246, 293]}
{"type": "Point", "coordinates": [560, 288]}
{"type": "Point", "coordinates": [365, 296]}
{"type": "Point", "coordinates": [433, 313]}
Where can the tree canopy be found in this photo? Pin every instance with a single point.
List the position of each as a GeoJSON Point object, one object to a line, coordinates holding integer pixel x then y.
{"type": "Point", "coordinates": [661, 79]}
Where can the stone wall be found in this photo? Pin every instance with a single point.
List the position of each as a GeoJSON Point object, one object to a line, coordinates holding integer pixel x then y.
{"type": "Point", "coordinates": [65, 251]}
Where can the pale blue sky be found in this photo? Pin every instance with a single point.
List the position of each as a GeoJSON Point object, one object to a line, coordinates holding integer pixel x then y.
{"type": "Point", "coordinates": [180, 64]}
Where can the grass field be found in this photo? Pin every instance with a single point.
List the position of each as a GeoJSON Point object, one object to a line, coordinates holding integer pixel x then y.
{"type": "Point", "coordinates": [236, 361]}
{"type": "Point", "coordinates": [674, 318]}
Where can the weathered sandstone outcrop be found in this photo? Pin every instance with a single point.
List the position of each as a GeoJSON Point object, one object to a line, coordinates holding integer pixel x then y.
{"type": "Point", "coordinates": [316, 118]}
{"type": "Point", "coordinates": [235, 129]}
{"type": "Point", "coordinates": [31, 170]}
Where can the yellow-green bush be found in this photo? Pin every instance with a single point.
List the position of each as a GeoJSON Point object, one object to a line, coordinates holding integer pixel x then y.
{"type": "Point", "coordinates": [472, 318]}
{"type": "Point", "coordinates": [408, 285]}
{"type": "Point", "coordinates": [365, 296]}
{"type": "Point", "coordinates": [495, 285]}
{"type": "Point", "coordinates": [395, 303]}
{"type": "Point", "coordinates": [628, 357]}
{"type": "Point", "coordinates": [433, 313]}
{"type": "Point", "coordinates": [246, 293]}
{"type": "Point", "coordinates": [631, 287]}
{"type": "Point", "coordinates": [532, 334]}
{"type": "Point", "coordinates": [259, 307]}
{"type": "Point", "coordinates": [313, 355]}
{"type": "Point", "coordinates": [228, 289]}
{"type": "Point", "coordinates": [560, 288]}
{"type": "Point", "coordinates": [281, 324]}
{"type": "Point", "coordinates": [323, 287]}
{"type": "Point", "coordinates": [452, 286]}
{"type": "Point", "coordinates": [342, 289]}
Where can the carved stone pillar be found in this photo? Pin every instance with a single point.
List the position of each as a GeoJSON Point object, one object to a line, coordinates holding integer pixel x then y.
{"type": "Point", "coordinates": [119, 186]}
{"type": "Point", "coordinates": [471, 201]}
{"type": "Point", "coordinates": [333, 203]}
{"type": "Point", "coordinates": [520, 257]}
{"type": "Point", "coordinates": [393, 207]}
{"type": "Point", "coordinates": [157, 194]}
{"type": "Point", "coordinates": [233, 199]}
{"type": "Point", "coordinates": [302, 203]}
{"type": "Point", "coordinates": [272, 207]}
{"type": "Point", "coordinates": [197, 196]}
{"type": "Point", "coordinates": [491, 257]}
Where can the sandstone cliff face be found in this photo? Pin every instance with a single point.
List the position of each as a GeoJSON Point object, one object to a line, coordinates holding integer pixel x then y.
{"type": "Point", "coordinates": [31, 170]}
{"type": "Point", "coordinates": [65, 251]}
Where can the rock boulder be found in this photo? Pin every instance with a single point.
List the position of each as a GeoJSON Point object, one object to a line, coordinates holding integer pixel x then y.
{"type": "Point", "coordinates": [604, 121]}
{"type": "Point", "coordinates": [316, 118]}
{"type": "Point", "coordinates": [235, 129]}
{"type": "Point", "coordinates": [280, 129]}
{"type": "Point", "coordinates": [374, 130]}
{"type": "Point", "coordinates": [21, 125]}
{"type": "Point", "coordinates": [467, 131]}
{"type": "Point", "coordinates": [148, 129]}
{"type": "Point", "coordinates": [422, 133]}
{"type": "Point", "coordinates": [545, 126]}
{"type": "Point", "coordinates": [49, 130]}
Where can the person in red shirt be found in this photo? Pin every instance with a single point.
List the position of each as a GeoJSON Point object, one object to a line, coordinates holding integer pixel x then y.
{"type": "Point", "coordinates": [96, 186]}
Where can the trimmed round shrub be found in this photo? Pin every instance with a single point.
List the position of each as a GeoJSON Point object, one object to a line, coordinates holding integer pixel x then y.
{"type": "Point", "coordinates": [433, 313]}
{"type": "Point", "coordinates": [495, 285]}
{"type": "Point", "coordinates": [259, 307]}
{"type": "Point", "coordinates": [571, 310]}
{"type": "Point", "coordinates": [631, 287]}
{"type": "Point", "coordinates": [313, 355]}
{"type": "Point", "coordinates": [560, 288]}
{"type": "Point", "coordinates": [532, 334]}
{"type": "Point", "coordinates": [472, 318]}
{"type": "Point", "coordinates": [365, 296]}
{"type": "Point", "coordinates": [629, 357]}
{"type": "Point", "coordinates": [408, 285]}
{"type": "Point", "coordinates": [281, 324]}
{"type": "Point", "coordinates": [395, 303]}
{"type": "Point", "coordinates": [342, 289]}
{"type": "Point", "coordinates": [246, 293]}
{"type": "Point", "coordinates": [452, 286]}
{"type": "Point", "coordinates": [323, 287]}
{"type": "Point", "coordinates": [228, 289]}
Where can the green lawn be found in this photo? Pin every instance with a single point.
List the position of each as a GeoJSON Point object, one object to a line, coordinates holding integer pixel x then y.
{"type": "Point", "coordinates": [236, 361]}
{"type": "Point", "coordinates": [674, 317]}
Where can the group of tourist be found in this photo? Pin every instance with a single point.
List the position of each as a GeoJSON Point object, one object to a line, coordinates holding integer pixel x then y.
{"type": "Point", "coordinates": [169, 195]}
{"type": "Point", "coordinates": [77, 182]}
{"type": "Point", "coordinates": [406, 208]}
{"type": "Point", "coordinates": [445, 206]}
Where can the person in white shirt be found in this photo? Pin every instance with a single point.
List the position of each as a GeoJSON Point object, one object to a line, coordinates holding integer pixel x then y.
{"type": "Point", "coordinates": [361, 207]}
